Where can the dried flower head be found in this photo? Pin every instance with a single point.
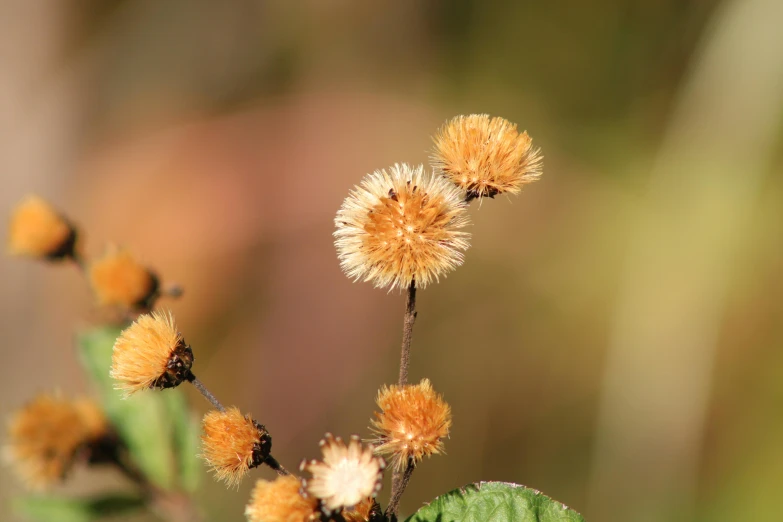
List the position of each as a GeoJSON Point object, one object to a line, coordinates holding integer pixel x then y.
{"type": "Point", "coordinates": [151, 353]}
{"type": "Point", "coordinates": [366, 510]}
{"type": "Point", "coordinates": [401, 226]}
{"type": "Point", "coordinates": [233, 443]}
{"type": "Point", "coordinates": [485, 157]}
{"type": "Point", "coordinates": [118, 279]}
{"type": "Point", "coordinates": [348, 473]}
{"type": "Point", "coordinates": [37, 230]}
{"type": "Point", "coordinates": [46, 436]}
{"type": "Point", "coordinates": [280, 500]}
{"type": "Point", "coordinates": [412, 423]}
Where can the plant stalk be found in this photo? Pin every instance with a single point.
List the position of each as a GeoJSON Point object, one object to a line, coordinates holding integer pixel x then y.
{"type": "Point", "coordinates": [407, 332]}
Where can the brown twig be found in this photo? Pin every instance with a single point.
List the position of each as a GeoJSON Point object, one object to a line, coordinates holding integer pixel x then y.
{"type": "Point", "coordinates": [205, 392]}
{"type": "Point", "coordinates": [407, 332]}
{"type": "Point", "coordinates": [398, 488]}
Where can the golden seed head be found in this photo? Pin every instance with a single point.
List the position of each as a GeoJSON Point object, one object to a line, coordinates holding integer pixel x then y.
{"type": "Point", "coordinates": [485, 157]}
{"type": "Point", "coordinates": [362, 511]}
{"type": "Point", "coordinates": [280, 500]}
{"type": "Point", "coordinates": [45, 436]}
{"type": "Point", "coordinates": [232, 444]}
{"type": "Point", "coordinates": [150, 353]}
{"type": "Point", "coordinates": [37, 230]}
{"type": "Point", "coordinates": [118, 279]}
{"type": "Point", "coordinates": [412, 424]}
{"type": "Point", "coordinates": [348, 473]}
{"type": "Point", "coordinates": [400, 226]}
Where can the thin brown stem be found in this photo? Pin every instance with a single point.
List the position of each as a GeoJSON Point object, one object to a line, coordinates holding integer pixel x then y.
{"type": "Point", "coordinates": [205, 392]}
{"type": "Point", "coordinates": [275, 465]}
{"type": "Point", "coordinates": [398, 488]}
{"type": "Point", "coordinates": [407, 332]}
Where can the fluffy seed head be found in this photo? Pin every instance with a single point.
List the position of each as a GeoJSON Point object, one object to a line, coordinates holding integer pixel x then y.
{"type": "Point", "coordinates": [45, 437]}
{"type": "Point", "coordinates": [485, 157]}
{"type": "Point", "coordinates": [233, 443]}
{"type": "Point", "coordinates": [280, 500]}
{"type": "Point", "coordinates": [348, 473]}
{"type": "Point", "coordinates": [413, 421]}
{"type": "Point", "coordinates": [118, 279]}
{"type": "Point", "coordinates": [400, 226]}
{"type": "Point", "coordinates": [37, 230]}
{"type": "Point", "coordinates": [150, 353]}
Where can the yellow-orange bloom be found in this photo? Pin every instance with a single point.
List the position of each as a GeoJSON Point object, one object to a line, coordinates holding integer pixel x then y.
{"type": "Point", "coordinates": [348, 473]}
{"type": "Point", "coordinates": [486, 157]}
{"type": "Point", "coordinates": [412, 424]}
{"type": "Point", "coordinates": [363, 511]}
{"type": "Point", "coordinates": [118, 279]}
{"type": "Point", "coordinates": [151, 353]}
{"type": "Point", "coordinates": [280, 500]}
{"type": "Point", "coordinates": [233, 443]}
{"type": "Point", "coordinates": [45, 437]}
{"type": "Point", "coordinates": [401, 226]}
{"type": "Point", "coordinates": [37, 230]}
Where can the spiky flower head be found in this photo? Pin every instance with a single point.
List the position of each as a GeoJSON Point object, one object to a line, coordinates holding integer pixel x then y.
{"type": "Point", "coordinates": [401, 226]}
{"type": "Point", "coordinates": [412, 423]}
{"type": "Point", "coordinates": [38, 230]}
{"type": "Point", "coordinates": [118, 279]}
{"type": "Point", "coordinates": [485, 157]}
{"type": "Point", "coordinates": [233, 443]}
{"type": "Point", "coordinates": [280, 500]}
{"type": "Point", "coordinates": [49, 435]}
{"type": "Point", "coordinates": [348, 473]}
{"type": "Point", "coordinates": [366, 510]}
{"type": "Point", "coordinates": [151, 353]}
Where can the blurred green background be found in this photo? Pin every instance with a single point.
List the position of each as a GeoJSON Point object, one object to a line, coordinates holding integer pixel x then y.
{"type": "Point", "coordinates": [615, 336]}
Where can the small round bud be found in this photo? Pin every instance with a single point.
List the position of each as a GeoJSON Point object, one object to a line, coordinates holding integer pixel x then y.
{"type": "Point", "coordinates": [50, 434]}
{"type": "Point", "coordinates": [412, 424]}
{"type": "Point", "coordinates": [37, 230]}
{"type": "Point", "coordinates": [280, 500]}
{"type": "Point", "coordinates": [485, 157]}
{"type": "Point", "coordinates": [233, 443]}
{"type": "Point", "coordinates": [151, 353]}
{"type": "Point", "coordinates": [117, 279]}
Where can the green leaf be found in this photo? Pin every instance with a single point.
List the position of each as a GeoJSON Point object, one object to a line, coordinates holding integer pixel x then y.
{"type": "Point", "coordinates": [186, 428]}
{"type": "Point", "coordinates": [495, 502]}
{"type": "Point", "coordinates": [142, 420]}
{"type": "Point", "coordinates": [57, 509]}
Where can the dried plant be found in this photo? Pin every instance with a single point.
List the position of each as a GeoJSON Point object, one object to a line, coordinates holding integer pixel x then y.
{"type": "Point", "coordinates": [401, 229]}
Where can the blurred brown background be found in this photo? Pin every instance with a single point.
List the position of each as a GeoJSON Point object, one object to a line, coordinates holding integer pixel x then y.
{"type": "Point", "coordinates": [614, 337]}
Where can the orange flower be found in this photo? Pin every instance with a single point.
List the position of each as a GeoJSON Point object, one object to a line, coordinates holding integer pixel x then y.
{"type": "Point", "coordinates": [485, 157]}
{"type": "Point", "coordinates": [46, 435]}
{"type": "Point", "coordinates": [412, 424]}
{"type": "Point", "coordinates": [151, 353]}
{"type": "Point", "coordinates": [233, 443]}
{"type": "Point", "coordinates": [118, 279]}
{"type": "Point", "coordinates": [37, 230]}
{"type": "Point", "coordinates": [347, 475]}
{"type": "Point", "coordinates": [280, 500]}
{"type": "Point", "coordinates": [362, 511]}
{"type": "Point", "coordinates": [400, 226]}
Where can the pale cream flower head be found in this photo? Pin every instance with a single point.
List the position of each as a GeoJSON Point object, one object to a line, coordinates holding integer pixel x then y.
{"type": "Point", "coordinates": [400, 226]}
{"type": "Point", "coordinates": [347, 475]}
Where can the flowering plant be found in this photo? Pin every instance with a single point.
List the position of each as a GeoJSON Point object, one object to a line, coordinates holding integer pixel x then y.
{"type": "Point", "coordinates": [401, 229]}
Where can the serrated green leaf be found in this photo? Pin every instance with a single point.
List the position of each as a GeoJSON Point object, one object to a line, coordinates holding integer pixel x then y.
{"type": "Point", "coordinates": [495, 502]}
{"type": "Point", "coordinates": [186, 441]}
{"type": "Point", "coordinates": [142, 420]}
{"type": "Point", "coordinates": [56, 509]}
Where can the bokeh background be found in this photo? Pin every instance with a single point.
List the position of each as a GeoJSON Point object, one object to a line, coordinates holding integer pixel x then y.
{"type": "Point", "coordinates": [615, 336]}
